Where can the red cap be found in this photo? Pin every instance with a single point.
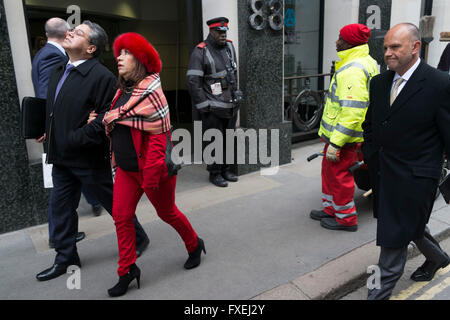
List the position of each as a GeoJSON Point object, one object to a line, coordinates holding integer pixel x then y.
{"type": "Point", "coordinates": [140, 48]}
{"type": "Point", "coordinates": [355, 34]}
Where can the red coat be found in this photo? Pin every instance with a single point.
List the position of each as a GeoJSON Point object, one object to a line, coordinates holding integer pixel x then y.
{"type": "Point", "coordinates": [151, 153]}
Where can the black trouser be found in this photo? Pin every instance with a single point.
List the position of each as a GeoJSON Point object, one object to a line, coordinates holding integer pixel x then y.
{"type": "Point", "coordinates": [211, 121]}
{"type": "Point", "coordinates": [66, 197]}
{"type": "Point", "coordinates": [392, 263]}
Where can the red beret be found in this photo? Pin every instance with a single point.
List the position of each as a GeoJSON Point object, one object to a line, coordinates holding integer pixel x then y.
{"type": "Point", "coordinates": [139, 47]}
{"type": "Point", "coordinates": [355, 34]}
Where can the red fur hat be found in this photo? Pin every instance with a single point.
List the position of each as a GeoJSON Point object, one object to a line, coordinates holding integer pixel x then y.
{"type": "Point", "coordinates": [140, 48]}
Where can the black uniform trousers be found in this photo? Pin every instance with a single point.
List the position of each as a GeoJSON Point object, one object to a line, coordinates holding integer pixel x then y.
{"type": "Point", "coordinates": [67, 182]}
{"type": "Point", "coordinates": [392, 263]}
{"type": "Point", "coordinates": [212, 121]}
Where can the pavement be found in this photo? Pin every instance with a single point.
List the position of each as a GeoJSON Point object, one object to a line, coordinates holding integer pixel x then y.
{"type": "Point", "coordinates": [406, 289]}
{"type": "Point", "coordinates": [260, 243]}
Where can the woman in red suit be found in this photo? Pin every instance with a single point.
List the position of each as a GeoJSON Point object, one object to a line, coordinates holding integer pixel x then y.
{"type": "Point", "coordinates": [139, 130]}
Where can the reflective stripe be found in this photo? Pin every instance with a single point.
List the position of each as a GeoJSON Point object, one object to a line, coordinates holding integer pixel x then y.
{"type": "Point", "coordinates": [193, 72]}
{"type": "Point", "coordinates": [327, 197]}
{"type": "Point", "coordinates": [220, 74]}
{"type": "Point", "coordinates": [327, 126]}
{"type": "Point", "coordinates": [349, 132]}
{"type": "Point", "coordinates": [230, 46]}
{"type": "Point", "coordinates": [214, 103]}
{"type": "Point", "coordinates": [203, 104]}
{"type": "Point", "coordinates": [349, 205]}
{"type": "Point", "coordinates": [345, 215]}
{"type": "Point", "coordinates": [327, 204]}
{"type": "Point", "coordinates": [354, 104]}
{"type": "Point", "coordinates": [211, 60]}
{"type": "Point", "coordinates": [342, 129]}
{"type": "Point", "coordinates": [332, 92]}
{"type": "Point", "coordinates": [220, 104]}
{"type": "Point", "coordinates": [357, 65]}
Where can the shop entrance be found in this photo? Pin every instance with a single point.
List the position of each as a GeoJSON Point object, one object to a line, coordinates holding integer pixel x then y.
{"type": "Point", "coordinates": [172, 26]}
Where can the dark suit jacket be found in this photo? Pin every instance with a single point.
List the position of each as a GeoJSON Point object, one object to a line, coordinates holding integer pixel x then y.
{"type": "Point", "coordinates": [444, 62]}
{"type": "Point", "coordinates": [70, 140]}
{"type": "Point", "coordinates": [43, 63]}
{"type": "Point", "coordinates": [403, 146]}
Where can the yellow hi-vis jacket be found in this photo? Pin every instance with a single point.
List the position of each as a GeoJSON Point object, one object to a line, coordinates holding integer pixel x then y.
{"type": "Point", "coordinates": [348, 97]}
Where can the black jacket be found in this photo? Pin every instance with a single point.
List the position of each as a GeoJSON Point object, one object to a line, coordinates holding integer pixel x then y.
{"type": "Point", "coordinates": [444, 62]}
{"type": "Point", "coordinates": [70, 140]}
{"type": "Point", "coordinates": [403, 146]}
{"type": "Point", "coordinates": [43, 62]}
{"type": "Point", "coordinates": [211, 64]}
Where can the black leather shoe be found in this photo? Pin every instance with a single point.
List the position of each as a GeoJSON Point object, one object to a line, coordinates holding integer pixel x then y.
{"type": "Point", "coordinates": [319, 215]}
{"type": "Point", "coordinates": [80, 236]}
{"type": "Point", "coordinates": [142, 246]}
{"type": "Point", "coordinates": [97, 210]}
{"type": "Point", "coordinates": [229, 176]}
{"type": "Point", "coordinates": [332, 224]}
{"type": "Point", "coordinates": [55, 271]}
{"type": "Point", "coordinates": [427, 270]}
{"type": "Point", "coordinates": [194, 257]}
{"type": "Point", "coordinates": [218, 180]}
{"type": "Point", "coordinates": [124, 281]}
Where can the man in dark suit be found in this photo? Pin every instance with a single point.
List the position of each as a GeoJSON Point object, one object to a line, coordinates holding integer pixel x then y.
{"type": "Point", "coordinates": [51, 54]}
{"type": "Point", "coordinates": [79, 151]}
{"type": "Point", "coordinates": [405, 133]}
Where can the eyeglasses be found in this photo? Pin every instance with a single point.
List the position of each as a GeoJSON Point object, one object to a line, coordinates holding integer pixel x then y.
{"type": "Point", "coordinates": [78, 32]}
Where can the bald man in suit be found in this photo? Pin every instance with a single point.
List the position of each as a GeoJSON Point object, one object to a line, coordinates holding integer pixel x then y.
{"type": "Point", "coordinates": [405, 134]}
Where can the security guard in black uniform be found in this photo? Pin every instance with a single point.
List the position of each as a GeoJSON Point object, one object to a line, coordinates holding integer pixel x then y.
{"type": "Point", "coordinates": [212, 84]}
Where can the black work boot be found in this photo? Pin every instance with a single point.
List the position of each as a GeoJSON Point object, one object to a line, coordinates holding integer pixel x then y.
{"type": "Point", "coordinates": [218, 180]}
{"type": "Point", "coordinates": [319, 215]}
{"type": "Point", "coordinates": [229, 176]}
{"type": "Point", "coordinates": [332, 224]}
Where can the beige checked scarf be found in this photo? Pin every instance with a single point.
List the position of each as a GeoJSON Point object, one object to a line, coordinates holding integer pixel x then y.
{"type": "Point", "coordinates": [146, 110]}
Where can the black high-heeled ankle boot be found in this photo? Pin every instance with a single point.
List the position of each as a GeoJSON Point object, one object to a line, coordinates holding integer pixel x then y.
{"type": "Point", "coordinates": [194, 257]}
{"type": "Point", "coordinates": [124, 281]}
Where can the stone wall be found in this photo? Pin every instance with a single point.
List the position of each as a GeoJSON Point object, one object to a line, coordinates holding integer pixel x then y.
{"type": "Point", "coordinates": [23, 200]}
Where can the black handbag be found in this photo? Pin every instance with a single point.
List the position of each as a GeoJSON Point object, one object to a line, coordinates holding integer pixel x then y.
{"type": "Point", "coordinates": [32, 117]}
{"type": "Point", "coordinates": [172, 167]}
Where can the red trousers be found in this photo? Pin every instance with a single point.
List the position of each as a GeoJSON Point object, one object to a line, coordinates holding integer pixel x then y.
{"type": "Point", "coordinates": [338, 186]}
{"type": "Point", "coordinates": [127, 192]}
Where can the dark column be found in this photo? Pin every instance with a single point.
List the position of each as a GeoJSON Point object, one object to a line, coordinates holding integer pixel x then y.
{"type": "Point", "coordinates": [376, 14]}
{"type": "Point", "coordinates": [261, 78]}
{"type": "Point", "coordinates": [23, 200]}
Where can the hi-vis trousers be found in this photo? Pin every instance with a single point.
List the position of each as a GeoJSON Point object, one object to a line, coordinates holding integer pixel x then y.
{"type": "Point", "coordinates": [338, 186]}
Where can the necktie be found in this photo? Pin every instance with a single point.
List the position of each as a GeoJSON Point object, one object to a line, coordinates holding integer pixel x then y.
{"type": "Point", "coordinates": [63, 78]}
{"type": "Point", "coordinates": [397, 84]}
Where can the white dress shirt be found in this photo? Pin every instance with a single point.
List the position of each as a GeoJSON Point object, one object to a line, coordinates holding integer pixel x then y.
{"type": "Point", "coordinates": [405, 77]}
{"type": "Point", "coordinates": [56, 44]}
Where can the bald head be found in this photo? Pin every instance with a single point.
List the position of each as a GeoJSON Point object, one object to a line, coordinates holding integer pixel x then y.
{"type": "Point", "coordinates": [56, 29]}
{"type": "Point", "coordinates": [402, 47]}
